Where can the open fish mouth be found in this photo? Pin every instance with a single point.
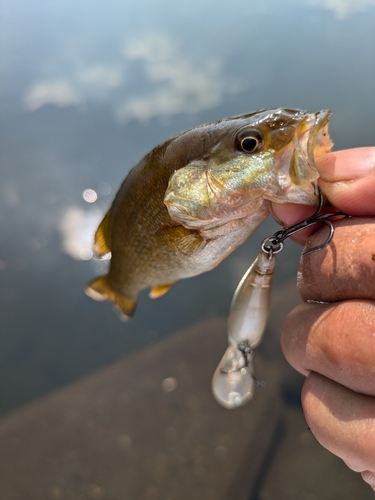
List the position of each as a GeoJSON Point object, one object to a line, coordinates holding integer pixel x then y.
{"type": "Point", "coordinates": [311, 140]}
{"type": "Point", "coordinates": [319, 141]}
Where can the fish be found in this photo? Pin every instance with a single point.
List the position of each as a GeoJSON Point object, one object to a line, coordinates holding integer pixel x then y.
{"type": "Point", "coordinates": [198, 196]}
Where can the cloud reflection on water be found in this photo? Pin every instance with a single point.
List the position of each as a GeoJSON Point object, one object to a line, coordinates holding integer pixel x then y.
{"type": "Point", "coordinates": [171, 82]}
{"type": "Point", "coordinates": [178, 85]}
{"type": "Point", "coordinates": [343, 8]}
{"type": "Point", "coordinates": [85, 83]}
{"type": "Point", "coordinates": [77, 227]}
{"type": "Point", "coordinates": [58, 93]}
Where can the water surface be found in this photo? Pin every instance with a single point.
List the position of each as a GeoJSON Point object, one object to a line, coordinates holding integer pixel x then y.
{"type": "Point", "coordinates": [88, 89]}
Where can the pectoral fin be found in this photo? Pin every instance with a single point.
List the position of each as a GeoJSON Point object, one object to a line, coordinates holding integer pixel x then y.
{"type": "Point", "coordinates": [102, 237]}
{"type": "Point", "coordinates": [99, 289]}
{"type": "Point", "coordinates": [158, 291]}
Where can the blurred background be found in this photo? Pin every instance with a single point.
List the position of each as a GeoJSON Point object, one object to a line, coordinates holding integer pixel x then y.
{"type": "Point", "coordinates": [87, 89]}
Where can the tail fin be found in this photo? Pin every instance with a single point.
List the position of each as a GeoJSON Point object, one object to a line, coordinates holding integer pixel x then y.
{"type": "Point", "coordinates": [99, 289]}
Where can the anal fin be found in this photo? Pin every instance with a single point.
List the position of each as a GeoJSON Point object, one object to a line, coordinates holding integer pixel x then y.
{"type": "Point", "coordinates": [159, 290]}
{"type": "Point", "coordinates": [99, 289]}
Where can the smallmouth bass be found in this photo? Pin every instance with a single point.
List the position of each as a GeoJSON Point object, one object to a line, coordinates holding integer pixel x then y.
{"type": "Point", "coordinates": [195, 198]}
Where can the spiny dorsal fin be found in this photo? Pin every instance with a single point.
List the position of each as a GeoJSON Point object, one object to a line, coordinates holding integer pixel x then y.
{"type": "Point", "coordinates": [102, 237]}
{"type": "Point", "coordinates": [158, 291]}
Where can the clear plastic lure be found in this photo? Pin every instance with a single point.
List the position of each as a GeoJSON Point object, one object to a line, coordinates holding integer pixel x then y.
{"type": "Point", "coordinates": [233, 383]}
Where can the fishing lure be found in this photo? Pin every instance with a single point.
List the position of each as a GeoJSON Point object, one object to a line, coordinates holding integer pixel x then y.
{"type": "Point", "coordinates": [234, 381]}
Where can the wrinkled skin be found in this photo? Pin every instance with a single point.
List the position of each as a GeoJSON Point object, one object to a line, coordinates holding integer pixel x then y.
{"type": "Point", "coordinates": [333, 343]}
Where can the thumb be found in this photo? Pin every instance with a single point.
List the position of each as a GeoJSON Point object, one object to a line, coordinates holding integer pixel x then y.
{"type": "Point", "coordinates": [347, 178]}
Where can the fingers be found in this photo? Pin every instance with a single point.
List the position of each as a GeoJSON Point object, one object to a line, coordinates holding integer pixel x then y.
{"type": "Point", "coordinates": [343, 270]}
{"type": "Point", "coordinates": [331, 339]}
{"type": "Point", "coordinates": [334, 340]}
{"type": "Point", "coordinates": [347, 430]}
{"type": "Point", "coordinates": [369, 477]}
{"type": "Point", "coordinates": [347, 178]}
{"type": "Point", "coordinates": [287, 214]}
{"type": "Point", "coordinates": [337, 339]}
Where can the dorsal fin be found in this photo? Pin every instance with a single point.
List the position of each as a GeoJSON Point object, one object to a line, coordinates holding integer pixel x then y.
{"type": "Point", "coordinates": [102, 236]}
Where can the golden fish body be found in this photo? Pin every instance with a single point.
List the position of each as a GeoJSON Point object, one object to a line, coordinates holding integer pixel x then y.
{"type": "Point", "coordinates": [195, 198]}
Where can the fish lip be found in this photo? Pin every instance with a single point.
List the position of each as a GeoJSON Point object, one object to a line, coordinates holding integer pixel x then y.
{"type": "Point", "coordinates": [320, 120]}
{"type": "Point", "coordinates": [309, 143]}
{"type": "Point", "coordinates": [296, 167]}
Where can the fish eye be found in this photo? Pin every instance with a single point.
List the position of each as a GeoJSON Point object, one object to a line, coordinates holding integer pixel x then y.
{"type": "Point", "coordinates": [249, 141]}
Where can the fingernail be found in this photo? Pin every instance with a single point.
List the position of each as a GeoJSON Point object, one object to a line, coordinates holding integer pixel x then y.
{"type": "Point", "coordinates": [346, 165]}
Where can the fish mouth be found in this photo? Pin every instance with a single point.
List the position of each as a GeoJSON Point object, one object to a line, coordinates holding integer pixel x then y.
{"type": "Point", "coordinates": [311, 140]}
{"type": "Point", "coordinates": [319, 141]}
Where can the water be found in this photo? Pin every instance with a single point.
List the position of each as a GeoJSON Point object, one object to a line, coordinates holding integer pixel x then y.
{"type": "Point", "coordinates": [87, 90]}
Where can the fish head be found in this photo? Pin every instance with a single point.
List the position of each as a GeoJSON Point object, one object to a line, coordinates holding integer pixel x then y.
{"type": "Point", "coordinates": [268, 155]}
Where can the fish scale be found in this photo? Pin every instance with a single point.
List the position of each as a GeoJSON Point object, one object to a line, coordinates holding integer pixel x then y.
{"type": "Point", "coordinates": [195, 198]}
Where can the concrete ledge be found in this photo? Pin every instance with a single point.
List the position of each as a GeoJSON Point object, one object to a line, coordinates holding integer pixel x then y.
{"type": "Point", "coordinates": [147, 427]}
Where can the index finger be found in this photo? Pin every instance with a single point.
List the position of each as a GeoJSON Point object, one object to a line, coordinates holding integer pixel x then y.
{"type": "Point", "coordinates": [347, 178]}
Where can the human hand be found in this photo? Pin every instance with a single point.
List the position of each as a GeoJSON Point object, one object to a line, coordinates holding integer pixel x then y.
{"type": "Point", "coordinates": [331, 337]}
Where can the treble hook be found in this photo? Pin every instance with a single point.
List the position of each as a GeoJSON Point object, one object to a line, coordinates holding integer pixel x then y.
{"type": "Point", "coordinates": [276, 241]}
